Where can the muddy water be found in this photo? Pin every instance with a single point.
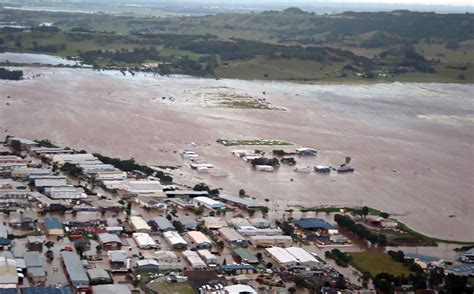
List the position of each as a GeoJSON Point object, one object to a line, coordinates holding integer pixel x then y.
{"type": "Point", "coordinates": [411, 144]}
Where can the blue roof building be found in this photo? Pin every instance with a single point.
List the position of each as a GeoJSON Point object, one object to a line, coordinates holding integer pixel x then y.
{"type": "Point", "coordinates": [313, 224]}
{"type": "Point", "coordinates": [52, 222]}
{"type": "Point", "coordinates": [46, 290]}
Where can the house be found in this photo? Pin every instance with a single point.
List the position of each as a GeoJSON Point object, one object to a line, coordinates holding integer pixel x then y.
{"type": "Point", "coordinates": [253, 231]}
{"type": "Point", "coordinates": [208, 202]}
{"type": "Point", "coordinates": [188, 222]}
{"type": "Point", "coordinates": [315, 224]}
{"type": "Point", "coordinates": [268, 241]}
{"type": "Point", "coordinates": [281, 256]}
{"type": "Point", "coordinates": [193, 258]}
{"type": "Point", "coordinates": [144, 241]}
{"type": "Point", "coordinates": [35, 243]}
{"type": "Point", "coordinates": [465, 270]}
{"type": "Point", "coordinates": [238, 269]}
{"type": "Point", "coordinates": [53, 226]}
{"type": "Point", "coordinates": [345, 169]}
{"type": "Point", "coordinates": [118, 260]}
{"type": "Point", "coordinates": [147, 264]}
{"type": "Point", "coordinates": [245, 256]}
{"type": "Point", "coordinates": [99, 276]}
{"type": "Point", "coordinates": [22, 143]}
{"type": "Point", "coordinates": [111, 289]}
{"type": "Point", "coordinates": [303, 256]}
{"type": "Point", "coordinates": [151, 202]}
{"type": "Point", "coordinates": [110, 241]}
{"type": "Point", "coordinates": [166, 256]}
{"type": "Point", "coordinates": [8, 273]}
{"type": "Point", "coordinates": [265, 168]}
{"type": "Point", "coordinates": [199, 240]}
{"type": "Point", "coordinates": [64, 192]}
{"type": "Point", "coordinates": [110, 175]}
{"type": "Point", "coordinates": [240, 202]}
{"type": "Point", "coordinates": [23, 223]}
{"type": "Point", "coordinates": [467, 256]}
{"type": "Point", "coordinates": [232, 236]}
{"type": "Point", "coordinates": [303, 169]}
{"type": "Point", "coordinates": [214, 223]}
{"type": "Point", "coordinates": [139, 224]}
{"type": "Point", "coordinates": [260, 223]}
{"type": "Point", "coordinates": [75, 269]}
{"type": "Point", "coordinates": [306, 151]}
{"type": "Point", "coordinates": [35, 266]}
{"type": "Point", "coordinates": [161, 224]}
{"type": "Point", "coordinates": [175, 240]}
{"type": "Point", "coordinates": [323, 169]}
{"type": "Point", "coordinates": [239, 289]}
{"type": "Point", "coordinates": [239, 222]}
{"type": "Point", "coordinates": [208, 257]}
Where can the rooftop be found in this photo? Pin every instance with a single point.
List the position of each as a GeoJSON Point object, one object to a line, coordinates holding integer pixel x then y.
{"type": "Point", "coordinates": [313, 224]}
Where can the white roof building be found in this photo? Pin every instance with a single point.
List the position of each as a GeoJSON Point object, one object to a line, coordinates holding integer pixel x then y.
{"type": "Point", "coordinates": [175, 239]}
{"type": "Point", "coordinates": [166, 256]}
{"type": "Point", "coordinates": [193, 258]}
{"type": "Point", "coordinates": [139, 224]}
{"type": "Point", "coordinates": [239, 288]}
{"type": "Point", "coordinates": [144, 241]}
{"type": "Point", "coordinates": [303, 256]}
{"type": "Point", "coordinates": [282, 256]}
{"type": "Point", "coordinates": [214, 223]}
{"type": "Point", "coordinates": [209, 203]}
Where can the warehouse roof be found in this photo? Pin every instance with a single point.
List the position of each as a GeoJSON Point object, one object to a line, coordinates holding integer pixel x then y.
{"type": "Point", "coordinates": [74, 268]}
{"type": "Point", "coordinates": [239, 201]}
{"type": "Point", "coordinates": [281, 255]}
{"type": "Point", "coordinates": [108, 238]}
{"type": "Point", "coordinates": [313, 224]}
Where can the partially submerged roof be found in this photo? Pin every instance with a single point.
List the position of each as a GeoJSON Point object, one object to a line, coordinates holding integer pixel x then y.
{"type": "Point", "coordinates": [313, 224]}
{"type": "Point", "coordinates": [52, 222]}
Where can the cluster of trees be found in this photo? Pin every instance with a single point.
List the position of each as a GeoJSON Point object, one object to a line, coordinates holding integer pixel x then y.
{"type": "Point", "coordinates": [265, 161]}
{"type": "Point", "coordinates": [71, 169]}
{"type": "Point", "coordinates": [14, 75]}
{"type": "Point", "coordinates": [288, 160]}
{"type": "Point", "coordinates": [282, 153]}
{"type": "Point", "coordinates": [341, 258]}
{"type": "Point", "coordinates": [129, 165]}
{"type": "Point", "coordinates": [207, 188]}
{"type": "Point", "coordinates": [137, 55]}
{"type": "Point", "coordinates": [360, 230]}
{"type": "Point", "coordinates": [51, 48]}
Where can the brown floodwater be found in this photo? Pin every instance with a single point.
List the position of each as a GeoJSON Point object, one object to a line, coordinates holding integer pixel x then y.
{"type": "Point", "coordinates": [412, 145]}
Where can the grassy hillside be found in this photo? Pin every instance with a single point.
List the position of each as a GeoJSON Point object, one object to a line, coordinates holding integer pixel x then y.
{"type": "Point", "coordinates": [287, 45]}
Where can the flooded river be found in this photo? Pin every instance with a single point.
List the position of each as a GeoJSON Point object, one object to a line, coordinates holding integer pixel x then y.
{"type": "Point", "coordinates": [412, 145]}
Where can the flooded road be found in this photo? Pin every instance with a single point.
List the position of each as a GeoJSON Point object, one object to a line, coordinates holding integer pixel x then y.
{"type": "Point", "coordinates": [412, 145]}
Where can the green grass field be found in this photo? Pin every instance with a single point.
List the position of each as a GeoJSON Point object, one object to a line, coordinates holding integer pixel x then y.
{"type": "Point", "coordinates": [171, 288]}
{"type": "Point", "coordinates": [377, 262]}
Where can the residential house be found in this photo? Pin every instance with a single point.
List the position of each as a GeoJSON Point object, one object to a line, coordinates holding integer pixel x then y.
{"type": "Point", "coordinates": [35, 266]}
{"type": "Point", "coordinates": [110, 241]}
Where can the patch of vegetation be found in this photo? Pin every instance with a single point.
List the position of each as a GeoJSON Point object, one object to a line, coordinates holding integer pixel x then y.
{"type": "Point", "coordinates": [341, 258]}
{"type": "Point", "coordinates": [250, 142]}
{"type": "Point", "coordinates": [129, 165]}
{"type": "Point", "coordinates": [360, 230]}
{"type": "Point", "coordinates": [13, 75]}
{"type": "Point", "coordinates": [171, 288]}
{"type": "Point", "coordinates": [376, 262]}
{"type": "Point", "coordinates": [265, 161]}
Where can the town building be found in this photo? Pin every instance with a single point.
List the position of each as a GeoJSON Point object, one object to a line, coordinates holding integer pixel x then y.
{"type": "Point", "coordinates": [208, 202]}
{"type": "Point", "coordinates": [245, 255]}
{"type": "Point", "coordinates": [282, 256]}
{"type": "Point", "coordinates": [144, 241]}
{"type": "Point", "coordinates": [199, 240]}
{"type": "Point", "coordinates": [232, 236]}
{"type": "Point", "coordinates": [99, 276]}
{"type": "Point", "coordinates": [240, 202]}
{"type": "Point", "coordinates": [35, 266]}
{"type": "Point", "coordinates": [139, 224]}
{"type": "Point", "coordinates": [161, 224]}
{"type": "Point", "coordinates": [74, 269]}
{"type": "Point", "coordinates": [208, 257]}
{"type": "Point", "coordinates": [175, 240]}
{"type": "Point", "coordinates": [213, 223]}
{"type": "Point", "coordinates": [193, 258]}
{"type": "Point", "coordinates": [110, 241]}
{"type": "Point", "coordinates": [274, 240]}
{"type": "Point", "coordinates": [53, 226]}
